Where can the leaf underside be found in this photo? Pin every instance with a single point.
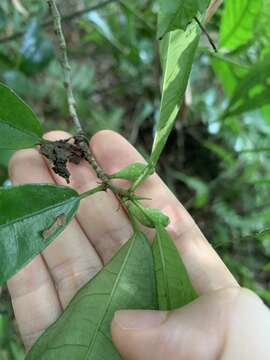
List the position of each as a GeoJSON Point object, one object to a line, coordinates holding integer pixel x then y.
{"type": "Point", "coordinates": [83, 330]}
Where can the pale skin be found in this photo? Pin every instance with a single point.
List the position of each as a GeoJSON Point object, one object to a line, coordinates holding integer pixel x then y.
{"type": "Point", "coordinates": [225, 322]}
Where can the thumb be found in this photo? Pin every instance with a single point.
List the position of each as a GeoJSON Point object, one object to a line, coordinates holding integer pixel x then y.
{"type": "Point", "coordinates": [200, 330]}
{"type": "Point", "coordinates": [192, 332]}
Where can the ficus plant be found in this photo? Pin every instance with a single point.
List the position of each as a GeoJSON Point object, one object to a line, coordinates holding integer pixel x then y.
{"type": "Point", "coordinates": [32, 216]}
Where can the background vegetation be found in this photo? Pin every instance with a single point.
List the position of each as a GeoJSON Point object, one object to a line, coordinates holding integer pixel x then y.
{"type": "Point", "coordinates": [217, 157]}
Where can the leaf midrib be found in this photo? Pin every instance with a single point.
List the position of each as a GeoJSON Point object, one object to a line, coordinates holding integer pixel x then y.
{"type": "Point", "coordinates": [237, 23]}
{"type": "Point", "coordinates": [164, 79]}
{"type": "Point", "coordinates": [32, 134]}
{"type": "Point", "coordinates": [93, 341]}
{"type": "Point", "coordinates": [164, 267]}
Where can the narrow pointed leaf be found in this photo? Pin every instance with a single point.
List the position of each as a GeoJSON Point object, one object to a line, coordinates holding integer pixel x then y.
{"type": "Point", "coordinates": [252, 91]}
{"type": "Point", "coordinates": [177, 54]}
{"type": "Point", "coordinates": [238, 22]}
{"type": "Point", "coordinates": [177, 14]}
{"type": "Point", "coordinates": [174, 287]}
{"type": "Point", "coordinates": [31, 216]}
{"type": "Point", "coordinates": [19, 126]}
{"type": "Point", "coordinates": [83, 330]}
{"type": "Point", "coordinates": [229, 72]}
{"type": "Point", "coordinates": [131, 172]}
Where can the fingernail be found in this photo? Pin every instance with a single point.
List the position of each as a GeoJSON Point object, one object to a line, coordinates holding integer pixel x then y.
{"type": "Point", "coordinates": [139, 319]}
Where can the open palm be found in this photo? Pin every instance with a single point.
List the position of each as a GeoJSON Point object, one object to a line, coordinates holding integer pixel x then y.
{"type": "Point", "coordinates": [41, 291]}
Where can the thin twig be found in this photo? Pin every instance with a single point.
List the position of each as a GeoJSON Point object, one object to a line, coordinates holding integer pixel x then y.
{"type": "Point", "coordinates": [65, 18]}
{"type": "Point", "coordinates": [80, 139]}
{"type": "Point", "coordinates": [93, 191]}
{"type": "Point", "coordinates": [212, 9]}
{"type": "Point", "coordinates": [206, 34]}
{"type": "Point", "coordinates": [65, 64]}
{"type": "Point", "coordinates": [105, 179]}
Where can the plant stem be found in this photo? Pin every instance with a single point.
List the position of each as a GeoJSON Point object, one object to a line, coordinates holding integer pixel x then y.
{"type": "Point", "coordinates": [80, 137]}
{"type": "Point", "coordinates": [65, 64]}
{"type": "Point", "coordinates": [212, 9]}
{"type": "Point", "coordinates": [93, 191]}
{"type": "Point", "coordinates": [68, 17]}
{"type": "Point", "coordinates": [103, 187]}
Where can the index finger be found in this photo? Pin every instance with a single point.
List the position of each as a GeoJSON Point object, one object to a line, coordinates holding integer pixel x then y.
{"type": "Point", "coordinates": [206, 270]}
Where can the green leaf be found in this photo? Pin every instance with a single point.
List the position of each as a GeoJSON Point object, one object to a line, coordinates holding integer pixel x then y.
{"type": "Point", "coordinates": [147, 216]}
{"type": "Point", "coordinates": [238, 22]}
{"type": "Point", "coordinates": [262, 30]}
{"type": "Point", "coordinates": [5, 156]}
{"type": "Point", "coordinates": [174, 287]}
{"type": "Point", "coordinates": [83, 330]}
{"type": "Point", "coordinates": [104, 29]}
{"type": "Point", "coordinates": [266, 267]}
{"type": "Point", "coordinates": [31, 217]}
{"type": "Point", "coordinates": [201, 188]}
{"type": "Point", "coordinates": [134, 8]}
{"type": "Point", "coordinates": [221, 152]}
{"type": "Point", "coordinates": [228, 71]}
{"type": "Point", "coordinates": [177, 54]}
{"type": "Point", "coordinates": [253, 91]}
{"type": "Point", "coordinates": [16, 350]}
{"type": "Point", "coordinates": [263, 235]}
{"type": "Point", "coordinates": [19, 126]}
{"type": "Point", "coordinates": [177, 14]}
{"type": "Point", "coordinates": [131, 172]}
{"type": "Point", "coordinates": [263, 293]}
{"type": "Point", "coordinates": [4, 325]}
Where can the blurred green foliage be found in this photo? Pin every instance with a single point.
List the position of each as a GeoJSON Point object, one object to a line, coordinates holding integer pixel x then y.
{"type": "Point", "coordinates": [217, 157]}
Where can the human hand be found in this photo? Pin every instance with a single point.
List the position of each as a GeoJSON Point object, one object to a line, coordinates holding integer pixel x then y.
{"type": "Point", "coordinates": [225, 322]}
